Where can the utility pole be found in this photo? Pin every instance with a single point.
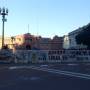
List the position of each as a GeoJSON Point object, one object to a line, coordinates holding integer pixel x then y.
{"type": "Point", "coordinates": [3, 12]}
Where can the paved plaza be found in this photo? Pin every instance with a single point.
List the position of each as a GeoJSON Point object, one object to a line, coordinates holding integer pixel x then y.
{"type": "Point", "coordinates": [40, 77]}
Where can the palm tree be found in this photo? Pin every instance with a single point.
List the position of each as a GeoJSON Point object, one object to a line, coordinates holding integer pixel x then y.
{"type": "Point", "coordinates": [12, 39]}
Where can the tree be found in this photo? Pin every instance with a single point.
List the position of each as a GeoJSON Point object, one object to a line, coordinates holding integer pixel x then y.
{"type": "Point", "coordinates": [12, 39]}
{"type": "Point", "coordinates": [84, 36]}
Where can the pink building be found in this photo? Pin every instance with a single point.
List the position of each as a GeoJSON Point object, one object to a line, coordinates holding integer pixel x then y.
{"type": "Point", "coordinates": [50, 44]}
{"type": "Point", "coordinates": [57, 43]}
{"type": "Point", "coordinates": [25, 41]}
{"type": "Point", "coordinates": [28, 41]}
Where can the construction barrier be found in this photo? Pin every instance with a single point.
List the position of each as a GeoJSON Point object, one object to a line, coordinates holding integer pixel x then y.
{"type": "Point", "coordinates": [40, 56]}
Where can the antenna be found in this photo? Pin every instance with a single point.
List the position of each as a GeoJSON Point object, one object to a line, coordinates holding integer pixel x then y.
{"type": "Point", "coordinates": [4, 3]}
{"type": "Point", "coordinates": [28, 28]}
{"type": "Point", "coordinates": [37, 27]}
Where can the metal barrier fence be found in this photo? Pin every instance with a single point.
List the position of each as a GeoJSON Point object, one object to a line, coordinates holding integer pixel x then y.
{"type": "Point", "coordinates": [40, 56]}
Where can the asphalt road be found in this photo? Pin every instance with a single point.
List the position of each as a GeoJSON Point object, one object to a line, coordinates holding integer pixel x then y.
{"type": "Point", "coordinates": [78, 68]}
{"type": "Point", "coordinates": [31, 79]}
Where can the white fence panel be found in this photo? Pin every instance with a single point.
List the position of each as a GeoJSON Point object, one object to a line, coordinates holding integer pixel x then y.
{"type": "Point", "coordinates": [39, 56]}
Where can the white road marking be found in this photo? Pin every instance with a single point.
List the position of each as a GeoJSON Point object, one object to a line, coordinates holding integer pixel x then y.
{"type": "Point", "coordinates": [80, 75]}
{"type": "Point", "coordinates": [68, 73]}
{"type": "Point", "coordinates": [16, 67]}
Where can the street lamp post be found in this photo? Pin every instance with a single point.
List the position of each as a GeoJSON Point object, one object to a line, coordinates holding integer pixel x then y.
{"type": "Point", "coordinates": [3, 12]}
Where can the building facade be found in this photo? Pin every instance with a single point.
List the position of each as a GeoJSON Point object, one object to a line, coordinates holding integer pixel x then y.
{"type": "Point", "coordinates": [72, 38]}
{"type": "Point", "coordinates": [72, 35]}
{"type": "Point", "coordinates": [57, 43]}
{"type": "Point", "coordinates": [44, 43]}
{"type": "Point", "coordinates": [66, 43]}
{"type": "Point", "coordinates": [7, 41]}
{"type": "Point", "coordinates": [25, 41]}
{"type": "Point", "coordinates": [28, 41]}
{"type": "Point", "coordinates": [31, 42]}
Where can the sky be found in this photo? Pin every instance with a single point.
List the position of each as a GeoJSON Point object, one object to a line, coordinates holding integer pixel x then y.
{"type": "Point", "coordinates": [46, 18]}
